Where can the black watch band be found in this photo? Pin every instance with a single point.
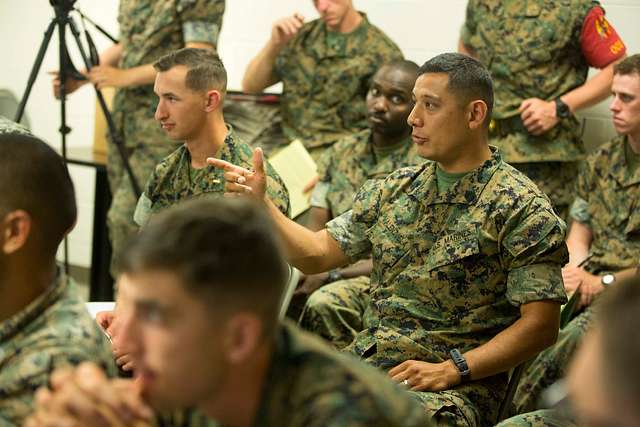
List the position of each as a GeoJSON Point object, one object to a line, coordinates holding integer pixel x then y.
{"type": "Point", "coordinates": [461, 364]}
{"type": "Point", "coordinates": [562, 109]}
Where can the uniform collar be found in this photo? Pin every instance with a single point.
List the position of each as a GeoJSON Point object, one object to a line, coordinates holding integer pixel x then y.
{"type": "Point", "coordinates": [19, 321]}
{"type": "Point", "coordinates": [619, 168]}
{"type": "Point", "coordinates": [466, 191]}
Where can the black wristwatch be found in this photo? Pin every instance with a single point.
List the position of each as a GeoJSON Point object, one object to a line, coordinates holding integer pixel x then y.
{"type": "Point", "coordinates": [334, 276]}
{"type": "Point", "coordinates": [562, 109]}
{"type": "Point", "coordinates": [461, 364]}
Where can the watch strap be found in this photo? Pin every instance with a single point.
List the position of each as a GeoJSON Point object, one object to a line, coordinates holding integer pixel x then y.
{"type": "Point", "coordinates": [461, 364]}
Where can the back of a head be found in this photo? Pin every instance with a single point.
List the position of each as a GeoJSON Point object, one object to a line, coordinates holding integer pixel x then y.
{"type": "Point", "coordinates": [34, 178]}
{"type": "Point", "coordinates": [468, 79]}
{"type": "Point", "coordinates": [205, 68]}
{"type": "Point", "coordinates": [629, 65]}
{"type": "Point", "coordinates": [221, 249]}
{"type": "Point", "coordinates": [619, 316]}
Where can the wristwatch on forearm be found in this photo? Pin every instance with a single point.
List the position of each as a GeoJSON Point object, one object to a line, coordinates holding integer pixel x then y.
{"type": "Point", "coordinates": [562, 109]}
{"type": "Point", "coordinates": [607, 279]}
{"type": "Point", "coordinates": [333, 276]}
{"type": "Point", "coordinates": [461, 364]}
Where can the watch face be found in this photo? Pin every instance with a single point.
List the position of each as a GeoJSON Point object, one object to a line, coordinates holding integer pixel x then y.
{"type": "Point", "coordinates": [608, 279]}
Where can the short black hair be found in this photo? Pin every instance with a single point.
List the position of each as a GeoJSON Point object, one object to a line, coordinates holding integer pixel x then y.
{"type": "Point", "coordinates": [205, 68]}
{"type": "Point", "coordinates": [34, 178]}
{"type": "Point", "coordinates": [221, 249]}
{"type": "Point", "coordinates": [404, 65]}
{"type": "Point", "coordinates": [469, 80]}
{"type": "Point", "coordinates": [629, 65]}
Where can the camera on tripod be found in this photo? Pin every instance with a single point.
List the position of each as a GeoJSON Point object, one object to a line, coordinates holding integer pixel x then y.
{"type": "Point", "coordinates": [65, 4]}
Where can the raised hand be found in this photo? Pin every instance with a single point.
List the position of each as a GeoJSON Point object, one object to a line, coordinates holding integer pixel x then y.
{"type": "Point", "coordinates": [285, 29]}
{"type": "Point", "coordinates": [242, 181]}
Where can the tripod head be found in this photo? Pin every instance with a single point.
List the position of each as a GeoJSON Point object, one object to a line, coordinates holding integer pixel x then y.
{"type": "Point", "coordinates": [64, 5]}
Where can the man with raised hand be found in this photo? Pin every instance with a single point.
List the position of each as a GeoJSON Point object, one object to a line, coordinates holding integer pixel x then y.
{"type": "Point", "coordinates": [467, 253]}
{"type": "Point", "coordinates": [325, 66]}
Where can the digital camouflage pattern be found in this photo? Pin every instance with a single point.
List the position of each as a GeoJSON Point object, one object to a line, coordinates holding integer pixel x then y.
{"type": "Point", "coordinates": [148, 30]}
{"type": "Point", "coordinates": [9, 126]}
{"type": "Point", "coordinates": [556, 180]}
{"type": "Point", "coordinates": [532, 50]}
{"type": "Point", "coordinates": [540, 418]}
{"type": "Point", "coordinates": [174, 180]}
{"type": "Point", "coordinates": [611, 193]}
{"type": "Point", "coordinates": [608, 195]}
{"type": "Point", "coordinates": [335, 311]}
{"type": "Point", "coordinates": [54, 330]}
{"type": "Point", "coordinates": [309, 384]}
{"type": "Point", "coordinates": [350, 162]}
{"type": "Point", "coordinates": [326, 76]}
{"type": "Point", "coordinates": [450, 270]}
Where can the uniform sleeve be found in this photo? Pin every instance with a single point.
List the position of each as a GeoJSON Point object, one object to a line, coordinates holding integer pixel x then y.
{"type": "Point", "coordinates": [469, 27]}
{"type": "Point", "coordinates": [535, 252]}
{"type": "Point", "coordinates": [579, 208]}
{"type": "Point", "coordinates": [600, 43]}
{"type": "Point", "coordinates": [201, 20]}
{"type": "Point", "coordinates": [350, 229]}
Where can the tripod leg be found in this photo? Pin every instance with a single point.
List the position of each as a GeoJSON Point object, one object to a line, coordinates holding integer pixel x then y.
{"type": "Point", "coordinates": [34, 70]}
{"type": "Point", "coordinates": [113, 132]}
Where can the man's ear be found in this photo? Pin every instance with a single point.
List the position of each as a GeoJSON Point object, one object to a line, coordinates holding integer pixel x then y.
{"type": "Point", "coordinates": [477, 113]}
{"type": "Point", "coordinates": [15, 229]}
{"type": "Point", "coordinates": [243, 333]}
{"type": "Point", "coordinates": [213, 101]}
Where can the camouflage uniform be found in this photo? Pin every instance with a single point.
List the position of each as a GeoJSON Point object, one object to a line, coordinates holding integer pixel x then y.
{"type": "Point", "coordinates": [9, 126]}
{"type": "Point", "coordinates": [174, 180]}
{"type": "Point", "coordinates": [148, 30]}
{"type": "Point", "coordinates": [532, 50]}
{"type": "Point", "coordinates": [450, 270]}
{"type": "Point", "coordinates": [54, 330]}
{"type": "Point", "coordinates": [326, 76]}
{"type": "Point", "coordinates": [309, 384]}
{"type": "Point", "coordinates": [540, 418]}
{"type": "Point", "coordinates": [607, 198]}
{"type": "Point", "coordinates": [335, 311]}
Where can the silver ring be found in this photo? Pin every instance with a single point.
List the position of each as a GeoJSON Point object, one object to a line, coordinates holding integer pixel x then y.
{"type": "Point", "coordinates": [405, 382]}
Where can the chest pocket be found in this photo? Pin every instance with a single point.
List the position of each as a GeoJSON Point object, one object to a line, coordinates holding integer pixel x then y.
{"type": "Point", "coordinates": [531, 35]}
{"type": "Point", "coordinates": [632, 229]}
{"type": "Point", "coordinates": [452, 249]}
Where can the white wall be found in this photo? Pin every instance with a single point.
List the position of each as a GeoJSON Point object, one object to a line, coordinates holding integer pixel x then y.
{"type": "Point", "coordinates": [422, 28]}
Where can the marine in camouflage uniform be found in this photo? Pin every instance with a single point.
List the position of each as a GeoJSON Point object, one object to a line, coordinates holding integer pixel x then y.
{"type": "Point", "coordinates": [326, 76]}
{"type": "Point", "coordinates": [54, 330]}
{"type": "Point", "coordinates": [335, 310]}
{"type": "Point", "coordinates": [451, 270]}
{"type": "Point", "coordinates": [608, 193]}
{"type": "Point", "coordinates": [533, 50]}
{"type": "Point", "coordinates": [148, 30]}
{"type": "Point", "coordinates": [175, 180]}
{"type": "Point", "coordinates": [309, 384]}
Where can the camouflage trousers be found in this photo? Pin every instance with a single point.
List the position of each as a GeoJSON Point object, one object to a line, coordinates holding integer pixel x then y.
{"type": "Point", "coordinates": [143, 158]}
{"type": "Point", "coordinates": [556, 179]}
{"type": "Point", "coordinates": [551, 364]}
{"type": "Point", "coordinates": [335, 310]}
{"type": "Point", "coordinates": [540, 418]}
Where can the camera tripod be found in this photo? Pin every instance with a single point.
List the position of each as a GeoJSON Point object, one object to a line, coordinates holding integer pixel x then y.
{"type": "Point", "coordinates": [61, 21]}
